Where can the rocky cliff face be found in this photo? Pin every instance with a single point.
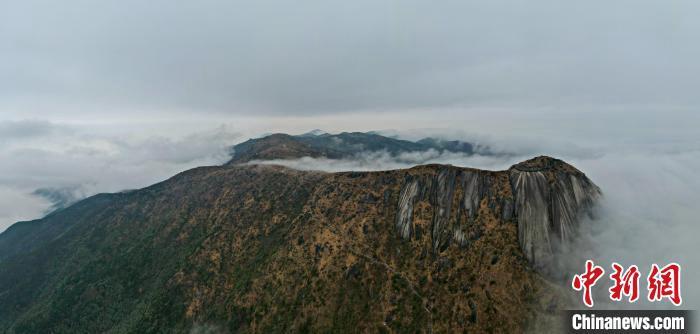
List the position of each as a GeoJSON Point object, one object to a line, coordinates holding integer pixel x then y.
{"type": "Point", "coordinates": [545, 197]}
{"type": "Point", "coordinates": [245, 248]}
{"type": "Point", "coordinates": [551, 198]}
{"type": "Point", "coordinates": [458, 197]}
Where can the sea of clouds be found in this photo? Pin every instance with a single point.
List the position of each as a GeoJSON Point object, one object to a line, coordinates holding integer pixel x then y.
{"type": "Point", "coordinates": [46, 165]}
{"type": "Point", "coordinates": [648, 214]}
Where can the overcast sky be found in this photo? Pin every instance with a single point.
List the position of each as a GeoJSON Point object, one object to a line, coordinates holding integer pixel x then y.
{"type": "Point", "coordinates": [100, 96]}
{"type": "Point", "coordinates": [101, 60]}
{"type": "Point", "coordinates": [91, 85]}
{"type": "Point", "coordinates": [87, 86]}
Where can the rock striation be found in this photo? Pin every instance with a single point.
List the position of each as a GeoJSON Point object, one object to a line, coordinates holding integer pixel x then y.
{"type": "Point", "coordinates": [551, 199]}
{"type": "Point", "coordinates": [545, 197]}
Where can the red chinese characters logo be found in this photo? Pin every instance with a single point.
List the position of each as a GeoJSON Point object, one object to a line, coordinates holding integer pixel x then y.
{"type": "Point", "coordinates": [665, 283]}
{"type": "Point", "coordinates": [662, 283]}
{"type": "Point", "coordinates": [624, 283]}
{"type": "Point", "coordinates": [587, 280]}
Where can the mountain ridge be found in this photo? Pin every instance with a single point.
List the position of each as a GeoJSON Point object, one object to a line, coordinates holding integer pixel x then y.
{"type": "Point", "coordinates": [264, 248]}
{"type": "Point", "coordinates": [339, 146]}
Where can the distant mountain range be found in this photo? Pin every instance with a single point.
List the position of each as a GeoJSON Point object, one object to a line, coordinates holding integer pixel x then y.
{"type": "Point", "coordinates": [268, 249]}
{"type": "Point", "coordinates": [319, 144]}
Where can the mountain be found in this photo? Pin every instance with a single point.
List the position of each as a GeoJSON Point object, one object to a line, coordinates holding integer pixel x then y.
{"type": "Point", "coordinates": [319, 144]}
{"type": "Point", "coordinates": [314, 132]}
{"type": "Point", "coordinates": [262, 248]}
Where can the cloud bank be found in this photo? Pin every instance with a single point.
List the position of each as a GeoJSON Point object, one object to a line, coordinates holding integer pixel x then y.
{"type": "Point", "coordinates": [648, 213]}
{"type": "Point", "coordinates": [382, 160]}
{"type": "Point", "coordinates": [47, 166]}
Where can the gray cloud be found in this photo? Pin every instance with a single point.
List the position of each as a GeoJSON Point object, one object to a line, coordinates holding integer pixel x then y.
{"type": "Point", "coordinates": [648, 215]}
{"type": "Point", "coordinates": [22, 129]}
{"type": "Point", "coordinates": [88, 58]}
{"type": "Point", "coordinates": [48, 171]}
{"type": "Point", "coordinates": [17, 205]}
{"type": "Point", "coordinates": [60, 198]}
{"type": "Point", "coordinates": [382, 160]}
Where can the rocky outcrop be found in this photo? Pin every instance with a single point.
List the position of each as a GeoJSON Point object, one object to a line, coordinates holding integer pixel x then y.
{"type": "Point", "coordinates": [552, 198]}
{"type": "Point", "coordinates": [442, 229]}
{"type": "Point", "coordinates": [456, 196]}
{"type": "Point", "coordinates": [545, 197]}
{"type": "Point", "coordinates": [531, 191]}
{"type": "Point", "coordinates": [404, 217]}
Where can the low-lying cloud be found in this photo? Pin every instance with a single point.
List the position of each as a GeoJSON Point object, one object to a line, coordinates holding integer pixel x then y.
{"type": "Point", "coordinates": [46, 166]}
{"type": "Point", "coordinates": [648, 213]}
{"type": "Point", "coordinates": [383, 160]}
{"type": "Point", "coordinates": [60, 198]}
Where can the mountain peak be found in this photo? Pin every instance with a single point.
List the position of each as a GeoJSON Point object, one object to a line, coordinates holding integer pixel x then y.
{"type": "Point", "coordinates": [313, 133]}
{"type": "Point", "coordinates": [552, 198]}
{"type": "Point", "coordinates": [336, 146]}
{"type": "Point", "coordinates": [544, 163]}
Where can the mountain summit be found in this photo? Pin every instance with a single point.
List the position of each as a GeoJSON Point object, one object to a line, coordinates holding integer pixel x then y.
{"type": "Point", "coordinates": [318, 144]}
{"type": "Point", "coordinates": [262, 248]}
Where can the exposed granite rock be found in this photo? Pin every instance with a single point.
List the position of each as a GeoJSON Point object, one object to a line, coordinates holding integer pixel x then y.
{"type": "Point", "coordinates": [456, 195]}
{"type": "Point", "coordinates": [544, 196]}
{"type": "Point", "coordinates": [531, 192]}
{"type": "Point", "coordinates": [475, 189]}
{"type": "Point", "coordinates": [404, 216]}
{"type": "Point", "coordinates": [551, 198]}
{"type": "Point", "coordinates": [443, 193]}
